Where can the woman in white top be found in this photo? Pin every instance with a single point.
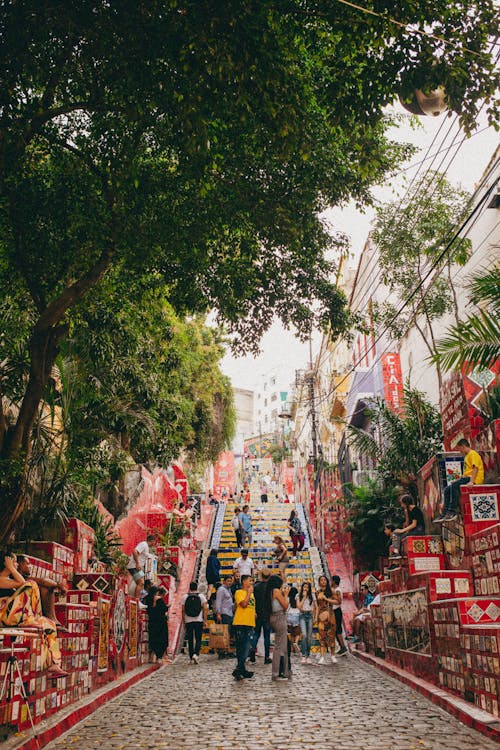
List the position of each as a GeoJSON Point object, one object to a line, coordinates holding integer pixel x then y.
{"type": "Point", "coordinates": [235, 523]}
{"type": "Point", "coordinates": [307, 608]}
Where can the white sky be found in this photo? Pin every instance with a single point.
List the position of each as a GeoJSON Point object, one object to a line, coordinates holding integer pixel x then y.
{"type": "Point", "coordinates": [466, 168]}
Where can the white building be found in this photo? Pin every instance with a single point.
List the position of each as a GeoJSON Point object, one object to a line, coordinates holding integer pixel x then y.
{"type": "Point", "coordinates": [271, 394]}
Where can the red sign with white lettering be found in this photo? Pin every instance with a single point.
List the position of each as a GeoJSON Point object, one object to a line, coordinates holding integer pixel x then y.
{"type": "Point", "coordinates": [393, 381]}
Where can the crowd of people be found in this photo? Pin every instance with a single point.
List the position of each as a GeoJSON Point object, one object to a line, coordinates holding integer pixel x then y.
{"type": "Point", "coordinates": [254, 604]}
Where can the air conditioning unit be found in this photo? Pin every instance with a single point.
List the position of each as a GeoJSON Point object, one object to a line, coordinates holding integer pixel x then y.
{"type": "Point", "coordinates": [363, 477]}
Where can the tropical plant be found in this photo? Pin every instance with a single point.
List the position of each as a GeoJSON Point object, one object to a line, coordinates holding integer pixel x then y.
{"type": "Point", "coordinates": [370, 507]}
{"type": "Point", "coordinates": [401, 443]}
{"type": "Point", "coordinates": [475, 340]}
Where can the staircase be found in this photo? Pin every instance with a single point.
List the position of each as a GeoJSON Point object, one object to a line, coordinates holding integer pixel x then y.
{"type": "Point", "coordinates": [268, 519]}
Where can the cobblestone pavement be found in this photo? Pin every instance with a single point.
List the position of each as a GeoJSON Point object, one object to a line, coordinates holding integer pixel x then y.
{"type": "Point", "coordinates": [346, 706]}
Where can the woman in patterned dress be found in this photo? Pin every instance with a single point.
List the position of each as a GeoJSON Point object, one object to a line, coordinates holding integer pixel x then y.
{"type": "Point", "coordinates": [325, 620]}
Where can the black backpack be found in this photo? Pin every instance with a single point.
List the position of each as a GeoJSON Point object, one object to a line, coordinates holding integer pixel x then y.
{"type": "Point", "coordinates": [192, 605]}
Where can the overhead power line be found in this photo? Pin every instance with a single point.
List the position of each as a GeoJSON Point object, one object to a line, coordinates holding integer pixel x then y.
{"type": "Point", "coordinates": [431, 270]}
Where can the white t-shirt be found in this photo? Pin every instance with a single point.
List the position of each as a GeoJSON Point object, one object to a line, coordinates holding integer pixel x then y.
{"type": "Point", "coordinates": [337, 606]}
{"type": "Point", "coordinates": [142, 550]}
{"type": "Point", "coordinates": [244, 567]}
{"type": "Point", "coordinates": [236, 521]}
{"type": "Point", "coordinates": [199, 617]}
{"type": "Point", "coordinates": [307, 606]}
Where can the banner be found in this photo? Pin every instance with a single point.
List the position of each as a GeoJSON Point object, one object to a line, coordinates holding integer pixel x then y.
{"type": "Point", "coordinates": [132, 630]}
{"type": "Point", "coordinates": [102, 651]}
{"type": "Point", "coordinates": [392, 378]}
{"type": "Point", "coordinates": [224, 474]}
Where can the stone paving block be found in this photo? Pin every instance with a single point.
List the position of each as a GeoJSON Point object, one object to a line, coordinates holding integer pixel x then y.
{"type": "Point", "coordinates": [183, 707]}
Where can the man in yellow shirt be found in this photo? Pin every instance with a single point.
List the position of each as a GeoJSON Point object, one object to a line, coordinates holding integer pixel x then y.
{"type": "Point", "coordinates": [244, 624]}
{"type": "Point", "coordinates": [473, 474]}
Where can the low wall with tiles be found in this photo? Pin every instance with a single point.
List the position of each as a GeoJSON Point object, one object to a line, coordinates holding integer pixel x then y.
{"type": "Point", "coordinates": [104, 632]}
{"type": "Point", "coordinates": [439, 615]}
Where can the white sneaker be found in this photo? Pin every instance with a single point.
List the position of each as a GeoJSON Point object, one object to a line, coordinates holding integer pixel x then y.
{"type": "Point", "coordinates": [321, 661]}
{"type": "Point", "coordinates": [196, 659]}
{"type": "Point", "coordinates": [334, 659]}
{"type": "Point", "coordinates": [308, 660]}
{"type": "Point", "coordinates": [303, 660]}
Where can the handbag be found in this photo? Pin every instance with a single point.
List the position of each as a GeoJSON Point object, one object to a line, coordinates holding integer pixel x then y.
{"type": "Point", "coordinates": [218, 635]}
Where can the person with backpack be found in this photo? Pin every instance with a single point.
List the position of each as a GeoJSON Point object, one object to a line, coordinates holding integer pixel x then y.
{"type": "Point", "coordinates": [194, 616]}
{"type": "Point", "coordinates": [212, 572]}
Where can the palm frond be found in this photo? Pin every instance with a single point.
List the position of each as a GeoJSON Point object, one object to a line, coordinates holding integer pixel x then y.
{"type": "Point", "coordinates": [486, 287]}
{"type": "Point", "coordinates": [365, 444]}
{"type": "Point", "coordinates": [475, 339]}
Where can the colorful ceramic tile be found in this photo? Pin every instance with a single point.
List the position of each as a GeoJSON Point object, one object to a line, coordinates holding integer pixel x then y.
{"type": "Point", "coordinates": [475, 612]}
{"type": "Point", "coordinates": [443, 586]}
{"type": "Point", "coordinates": [493, 611]}
{"type": "Point", "coordinates": [435, 546]}
{"type": "Point", "coordinates": [484, 506]}
{"type": "Point", "coordinates": [419, 545]}
{"type": "Point", "coordinates": [462, 586]}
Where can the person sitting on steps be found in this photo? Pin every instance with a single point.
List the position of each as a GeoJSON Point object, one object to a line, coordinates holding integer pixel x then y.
{"type": "Point", "coordinates": [415, 527]}
{"type": "Point", "coordinates": [47, 587]}
{"type": "Point", "coordinates": [20, 605]}
{"type": "Point", "coordinates": [473, 474]}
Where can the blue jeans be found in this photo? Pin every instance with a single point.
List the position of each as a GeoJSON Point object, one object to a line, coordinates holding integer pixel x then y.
{"type": "Point", "coordinates": [244, 635]}
{"type": "Point", "coordinates": [262, 625]}
{"type": "Point", "coordinates": [452, 494]}
{"type": "Point", "coordinates": [306, 628]}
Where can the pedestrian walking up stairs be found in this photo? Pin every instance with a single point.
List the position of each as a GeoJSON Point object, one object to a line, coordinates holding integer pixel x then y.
{"type": "Point", "coordinates": [268, 520]}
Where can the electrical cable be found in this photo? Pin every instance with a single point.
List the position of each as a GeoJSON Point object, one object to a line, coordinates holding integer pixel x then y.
{"type": "Point", "coordinates": [405, 26]}
{"type": "Point", "coordinates": [421, 283]}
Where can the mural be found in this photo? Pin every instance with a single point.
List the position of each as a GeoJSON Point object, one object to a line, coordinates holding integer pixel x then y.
{"type": "Point", "coordinates": [406, 621]}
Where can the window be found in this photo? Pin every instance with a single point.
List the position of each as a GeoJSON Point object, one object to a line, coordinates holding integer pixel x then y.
{"type": "Point", "coordinates": [273, 381]}
{"type": "Point", "coordinates": [265, 402]}
{"type": "Point", "coordinates": [274, 397]}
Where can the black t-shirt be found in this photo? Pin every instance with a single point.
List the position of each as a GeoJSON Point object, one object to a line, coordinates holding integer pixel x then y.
{"type": "Point", "coordinates": [259, 592]}
{"type": "Point", "coordinates": [415, 514]}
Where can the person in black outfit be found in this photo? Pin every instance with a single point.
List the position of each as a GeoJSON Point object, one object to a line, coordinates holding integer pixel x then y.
{"type": "Point", "coordinates": [157, 621]}
{"type": "Point", "coordinates": [261, 624]}
{"type": "Point", "coordinates": [212, 573]}
{"type": "Point", "coordinates": [415, 526]}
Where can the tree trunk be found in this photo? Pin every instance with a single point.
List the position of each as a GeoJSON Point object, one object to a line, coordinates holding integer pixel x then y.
{"type": "Point", "coordinates": [44, 347]}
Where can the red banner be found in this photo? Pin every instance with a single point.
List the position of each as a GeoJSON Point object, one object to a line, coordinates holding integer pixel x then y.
{"type": "Point", "coordinates": [224, 474]}
{"type": "Point", "coordinates": [393, 381]}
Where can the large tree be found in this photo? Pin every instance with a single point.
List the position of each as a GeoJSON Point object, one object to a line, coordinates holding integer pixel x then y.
{"type": "Point", "coordinates": [200, 141]}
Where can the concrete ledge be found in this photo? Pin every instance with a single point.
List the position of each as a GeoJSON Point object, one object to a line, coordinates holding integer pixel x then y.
{"type": "Point", "coordinates": [51, 728]}
{"type": "Point", "coordinates": [468, 714]}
